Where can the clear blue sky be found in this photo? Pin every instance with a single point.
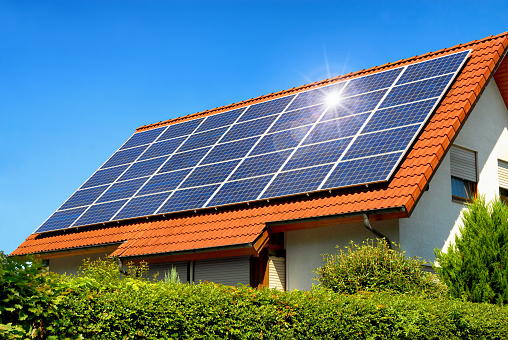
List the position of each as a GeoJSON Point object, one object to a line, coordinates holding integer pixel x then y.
{"type": "Point", "coordinates": [77, 77]}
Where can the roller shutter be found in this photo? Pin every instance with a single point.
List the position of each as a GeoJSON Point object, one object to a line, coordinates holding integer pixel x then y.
{"type": "Point", "coordinates": [463, 163]}
{"type": "Point", "coordinates": [502, 168]}
{"type": "Point", "coordinates": [162, 268]}
{"type": "Point", "coordinates": [228, 271]}
{"type": "Point", "coordinates": [277, 272]}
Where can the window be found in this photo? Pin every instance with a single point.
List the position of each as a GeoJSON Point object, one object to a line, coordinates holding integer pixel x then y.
{"type": "Point", "coordinates": [463, 171]}
{"type": "Point", "coordinates": [502, 171]}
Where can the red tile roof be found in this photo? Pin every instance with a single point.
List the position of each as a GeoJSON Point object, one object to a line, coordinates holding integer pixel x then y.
{"type": "Point", "coordinates": [243, 225]}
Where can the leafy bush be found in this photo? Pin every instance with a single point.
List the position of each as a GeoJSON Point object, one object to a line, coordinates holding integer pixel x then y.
{"type": "Point", "coordinates": [475, 268]}
{"type": "Point", "coordinates": [28, 298]}
{"type": "Point", "coordinates": [140, 309]}
{"type": "Point", "coordinates": [372, 266]}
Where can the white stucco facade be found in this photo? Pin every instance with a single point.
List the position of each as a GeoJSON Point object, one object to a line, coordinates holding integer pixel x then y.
{"type": "Point", "coordinates": [436, 218]}
{"type": "Point", "coordinates": [305, 248]}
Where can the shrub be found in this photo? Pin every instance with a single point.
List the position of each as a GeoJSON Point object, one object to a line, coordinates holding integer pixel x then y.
{"type": "Point", "coordinates": [29, 296]}
{"type": "Point", "coordinates": [140, 309]}
{"type": "Point", "coordinates": [372, 266]}
{"type": "Point", "coordinates": [475, 268]}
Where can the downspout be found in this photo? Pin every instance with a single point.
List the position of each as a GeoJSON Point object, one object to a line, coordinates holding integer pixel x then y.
{"type": "Point", "coordinates": [120, 266]}
{"type": "Point", "coordinates": [367, 225]}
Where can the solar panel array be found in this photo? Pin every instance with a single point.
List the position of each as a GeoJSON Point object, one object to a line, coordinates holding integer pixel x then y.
{"type": "Point", "coordinates": [289, 145]}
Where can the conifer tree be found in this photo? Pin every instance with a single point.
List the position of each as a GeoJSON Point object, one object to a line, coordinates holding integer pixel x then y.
{"type": "Point", "coordinates": [475, 268]}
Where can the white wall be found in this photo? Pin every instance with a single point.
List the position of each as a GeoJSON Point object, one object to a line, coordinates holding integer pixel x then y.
{"type": "Point", "coordinates": [70, 265]}
{"type": "Point", "coordinates": [436, 218]}
{"type": "Point", "coordinates": [304, 248]}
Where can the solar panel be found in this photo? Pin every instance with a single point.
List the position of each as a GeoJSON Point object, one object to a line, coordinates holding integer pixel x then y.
{"type": "Point", "coordinates": [289, 145]}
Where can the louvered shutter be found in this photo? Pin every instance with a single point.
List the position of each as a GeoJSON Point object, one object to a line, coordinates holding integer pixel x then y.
{"type": "Point", "coordinates": [162, 268]}
{"type": "Point", "coordinates": [277, 273]}
{"type": "Point", "coordinates": [228, 271]}
{"type": "Point", "coordinates": [502, 169]}
{"type": "Point", "coordinates": [463, 163]}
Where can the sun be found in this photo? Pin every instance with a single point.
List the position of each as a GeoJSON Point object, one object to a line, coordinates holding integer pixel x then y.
{"type": "Point", "coordinates": [333, 99]}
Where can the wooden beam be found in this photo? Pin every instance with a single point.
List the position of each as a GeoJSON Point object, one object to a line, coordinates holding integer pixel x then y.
{"type": "Point", "coordinates": [193, 256]}
{"type": "Point", "coordinates": [77, 252]}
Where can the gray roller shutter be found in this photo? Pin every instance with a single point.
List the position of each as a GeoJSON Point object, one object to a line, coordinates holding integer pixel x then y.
{"type": "Point", "coordinates": [463, 163]}
{"type": "Point", "coordinates": [228, 271]}
{"type": "Point", "coordinates": [502, 169]}
{"type": "Point", "coordinates": [161, 268]}
{"type": "Point", "coordinates": [277, 273]}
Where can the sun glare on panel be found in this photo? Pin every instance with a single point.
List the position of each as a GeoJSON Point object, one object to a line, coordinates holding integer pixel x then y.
{"type": "Point", "coordinates": [333, 99]}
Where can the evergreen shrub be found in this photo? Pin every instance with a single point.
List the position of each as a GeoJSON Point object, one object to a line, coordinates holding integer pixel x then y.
{"type": "Point", "coordinates": [373, 266]}
{"type": "Point", "coordinates": [475, 267]}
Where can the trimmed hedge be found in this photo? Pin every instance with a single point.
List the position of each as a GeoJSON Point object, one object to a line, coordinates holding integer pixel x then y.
{"type": "Point", "coordinates": [137, 309]}
{"type": "Point", "coordinates": [100, 304]}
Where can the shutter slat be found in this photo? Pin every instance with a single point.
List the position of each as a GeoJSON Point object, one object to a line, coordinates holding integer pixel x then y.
{"type": "Point", "coordinates": [227, 271]}
{"type": "Point", "coordinates": [277, 273]}
{"type": "Point", "coordinates": [463, 163]}
{"type": "Point", "coordinates": [502, 174]}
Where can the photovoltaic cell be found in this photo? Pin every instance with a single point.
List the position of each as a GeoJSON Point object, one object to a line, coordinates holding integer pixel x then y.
{"type": "Point", "coordinates": [163, 148]}
{"type": "Point", "coordinates": [248, 129]}
{"type": "Point", "coordinates": [164, 182]}
{"type": "Point", "coordinates": [399, 116]}
{"type": "Point", "coordinates": [266, 108]}
{"type": "Point", "coordinates": [142, 206]}
{"type": "Point", "coordinates": [180, 129]}
{"type": "Point", "coordinates": [261, 165]}
{"type": "Point", "coordinates": [313, 97]}
{"type": "Point", "coordinates": [210, 174]}
{"type": "Point", "coordinates": [61, 219]}
{"type": "Point", "coordinates": [362, 171]}
{"type": "Point", "coordinates": [327, 152]}
{"type": "Point", "coordinates": [292, 119]}
{"type": "Point", "coordinates": [411, 92]}
{"type": "Point", "coordinates": [144, 137]}
{"type": "Point", "coordinates": [105, 176]}
{"type": "Point", "coordinates": [124, 156]}
{"type": "Point", "coordinates": [371, 82]}
{"type": "Point", "coordinates": [354, 105]}
{"type": "Point", "coordinates": [337, 128]}
{"type": "Point", "coordinates": [280, 140]}
{"type": "Point", "coordinates": [100, 212]}
{"type": "Point", "coordinates": [121, 190]}
{"type": "Point", "coordinates": [433, 67]}
{"type": "Point", "coordinates": [220, 119]}
{"type": "Point", "coordinates": [297, 181]}
{"type": "Point", "coordinates": [381, 142]}
{"type": "Point", "coordinates": [144, 168]}
{"type": "Point", "coordinates": [240, 191]}
{"type": "Point", "coordinates": [83, 197]}
{"type": "Point", "coordinates": [361, 140]}
{"type": "Point", "coordinates": [228, 151]}
{"type": "Point", "coordinates": [203, 139]}
{"type": "Point", "coordinates": [193, 198]}
{"type": "Point", "coordinates": [184, 160]}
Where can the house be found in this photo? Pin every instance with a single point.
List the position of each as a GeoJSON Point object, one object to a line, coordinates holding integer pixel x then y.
{"type": "Point", "coordinates": [459, 151]}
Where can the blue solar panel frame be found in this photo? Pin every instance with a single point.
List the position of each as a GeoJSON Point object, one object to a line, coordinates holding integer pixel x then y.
{"type": "Point", "coordinates": [289, 145]}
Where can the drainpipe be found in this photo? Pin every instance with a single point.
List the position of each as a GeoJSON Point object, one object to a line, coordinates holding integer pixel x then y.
{"type": "Point", "coordinates": [120, 266]}
{"type": "Point", "coordinates": [367, 225]}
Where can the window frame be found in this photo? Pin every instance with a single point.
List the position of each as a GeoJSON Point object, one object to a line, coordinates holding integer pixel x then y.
{"type": "Point", "coordinates": [471, 185]}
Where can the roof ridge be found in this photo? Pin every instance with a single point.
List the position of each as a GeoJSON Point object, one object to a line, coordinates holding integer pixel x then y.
{"type": "Point", "coordinates": [318, 83]}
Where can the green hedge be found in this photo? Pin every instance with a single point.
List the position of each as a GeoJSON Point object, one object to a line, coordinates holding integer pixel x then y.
{"type": "Point", "coordinates": [100, 304]}
{"type": "Point", "coordinates": [142, 310]}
